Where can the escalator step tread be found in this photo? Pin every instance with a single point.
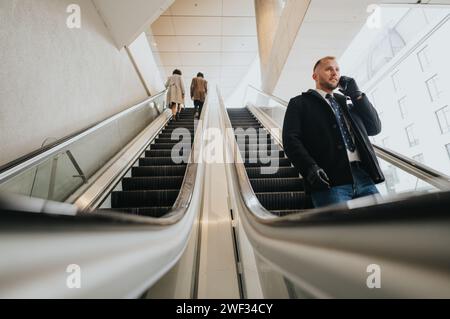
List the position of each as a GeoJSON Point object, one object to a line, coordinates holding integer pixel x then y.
{"type": "Point", "coordinates": [167, 146]}
{"type": "Point", "coordinates": [267, 161]}
{"type": "Point", "coordinates": [144, 198]}
{"type": "Point", "coordinates": [152, 161]}
{"type": "Point", "coordinates": [281, 192]}
{"type": "Point", "coordinates": [261, 185]}
{"type": "Point", "coordinates": [167, 153]}
{"type": "Point", "coordinates": [163, 170]}
{"type": "Point", "coordinates": [152, 183]}
{"type": "Point", "coordinates": [255, 172]}
{"type": "Point", "coordinates": [282, 200]}
{"type": "Point", "coordinates": [256, 154]}
{"type": "Point", "coordinates": [176, 139]}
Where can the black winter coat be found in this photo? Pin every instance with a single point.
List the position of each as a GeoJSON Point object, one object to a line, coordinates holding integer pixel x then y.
{"type": "Point", "coordinates": [311, 136]}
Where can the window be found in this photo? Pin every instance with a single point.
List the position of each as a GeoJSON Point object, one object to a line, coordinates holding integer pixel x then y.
{"type": "Point", "coordinates": [433, 88]}
{"type": "Point", "coordinates": [424, 62]}
{"type": "Point", "coordinates": [380, 115]}
{"type": "Point", "coordinates": [411, 136]}
{"type": "Point", "coordinates": [418, 158]}
{"type": "Point", "coordinates": [448, 149]}
{"type": "Point", "coordinates": [385, 142]}
{"type": "Point", "coordinates": [443, 117]}
{"type": "Point", "coordinates": [392, 173]}
{"type": "Point", "coordinates": [402, 107]}
{"type": "Point", "coordinates": [396, 81]}
{"type": "Point", "coordinates": [374, 100]}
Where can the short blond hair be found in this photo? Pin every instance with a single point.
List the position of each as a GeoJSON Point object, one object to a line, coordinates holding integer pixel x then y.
{"type": "Point", "coordinates": [323, 59]}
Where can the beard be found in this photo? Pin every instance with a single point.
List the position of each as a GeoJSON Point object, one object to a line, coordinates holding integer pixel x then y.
{"type": "Point", "coordinates": [329, 85]}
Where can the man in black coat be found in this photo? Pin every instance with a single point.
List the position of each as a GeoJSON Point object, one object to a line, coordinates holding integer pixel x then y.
{"type": "Point", "coordinates": [325, 135]}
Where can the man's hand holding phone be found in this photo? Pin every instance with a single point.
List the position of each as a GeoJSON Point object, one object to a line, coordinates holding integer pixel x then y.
{"type": "Point", "coordinates": [348, 87]}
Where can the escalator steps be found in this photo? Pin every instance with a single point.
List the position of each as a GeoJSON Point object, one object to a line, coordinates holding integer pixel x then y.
{"type": "Point", "coordinates": [155, 184]}
{"type": "Point", "coordinates": [255, 172]}
{"type": "Point", "coordinates": [176, 139]}
{"type": "Point", "coordinates": [263, 185]}
{"type": "Point", "coordinates": [167, 153]}
{"type": "Point", "coordinates": [152, 183]}
{"type": "Point", "coordinates": [156, 212]}
{"type": "Point", "coordinates": [256, 154]}
{"type": "Point", "coordinates": [282, 191]}
{"type": "Point", "coordinates": [282, 200]}
{"type": "Point", "coordinates": [169, 146]}
{"type": "Point", "coordinates": [144, 198]}
{"type": "Point", "coordinates": [267, 161]}
{"type": "Point", "coordinates": [152, 161]}
{"type": "Point", "coordinates": [174, 170]}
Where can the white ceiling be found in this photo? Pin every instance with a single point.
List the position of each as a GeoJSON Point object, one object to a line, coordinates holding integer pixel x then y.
{"type": "Point", "coordinates": [328, 29]}
{"type": "Point", "coordinates": [215, 37]}
{"type": "Point", "coordinates": [126, 20]}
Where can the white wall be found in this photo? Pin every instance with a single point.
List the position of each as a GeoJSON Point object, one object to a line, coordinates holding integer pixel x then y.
{"type": "Point", "coordinates": [128, 18]}
{"type": "Point", "coordinates": [55, 80]}
{"type": "Point", "coordinates": [145, 61]}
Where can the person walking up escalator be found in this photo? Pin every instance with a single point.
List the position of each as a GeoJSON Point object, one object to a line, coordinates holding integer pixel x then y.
{"type": "Point", "coordinates": [199, 90]}
{"type": "Point", "coordinates": [176, 92]}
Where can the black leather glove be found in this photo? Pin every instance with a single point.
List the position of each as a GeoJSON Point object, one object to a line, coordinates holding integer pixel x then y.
{"type": "Point", "coordinates": [349, 87]}
{"type": "Point", "coordinates": [318, 179]}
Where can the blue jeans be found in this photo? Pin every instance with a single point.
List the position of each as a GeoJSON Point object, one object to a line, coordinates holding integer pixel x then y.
{"type": "Point", "coordinates": [362, 186]}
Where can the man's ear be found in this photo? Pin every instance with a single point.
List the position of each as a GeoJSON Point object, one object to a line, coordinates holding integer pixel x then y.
{"type": "Point", "coordinates": [314, 76]}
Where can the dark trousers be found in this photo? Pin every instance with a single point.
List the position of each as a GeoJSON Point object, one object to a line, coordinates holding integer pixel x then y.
{"type": "Point", "coordinates": [198, 107]}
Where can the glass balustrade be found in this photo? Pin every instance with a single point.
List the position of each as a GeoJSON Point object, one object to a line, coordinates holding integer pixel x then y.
{"type": "Point", "coordinates": [60, 175]}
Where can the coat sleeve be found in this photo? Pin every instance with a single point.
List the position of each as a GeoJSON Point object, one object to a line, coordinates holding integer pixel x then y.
{"type": "Point", "coordinates": [192, 88]}
{"type": "Point", "coordinates": [293, 139]}
{"type": "Point", "coordinates": [182, 87]}
{"type": "Point", "coordinates": [368, 114]}
{"type": "Point", "coordinates": [167, 83]}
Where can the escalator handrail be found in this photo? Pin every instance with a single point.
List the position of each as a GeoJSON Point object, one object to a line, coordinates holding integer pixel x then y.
{"type": "Point", "coordinates": [261, 215]}
{"type": "Point", "coordinates": [231, 147]}
{"type": "Point", "coordinates": [151, 245]}
{"type": "Point", "coordinates": [184, 198]}
{"type": "Point", "coordinates": [439, 180]}
{"type": "Point", "coordinates": [419, 170]}
{"type": "Point", "coordinates": [349, 236]}
{"type": "Point", "coordinates": [39, 156]}
{"type": "Point", "coordinates": [276, 98]}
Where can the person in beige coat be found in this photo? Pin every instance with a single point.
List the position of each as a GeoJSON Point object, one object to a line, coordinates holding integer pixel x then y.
{"type": "Point", "coordinates": [175, 93]}
{"type": "Point", "coordinates": [199, 90]}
